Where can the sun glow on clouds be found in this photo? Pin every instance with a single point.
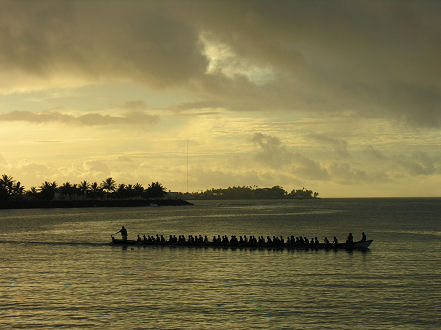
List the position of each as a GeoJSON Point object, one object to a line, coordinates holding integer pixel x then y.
{"type": "Point", "coordinates": [222, 60]}
{"type": "Point", "coordinates": [270, 94]}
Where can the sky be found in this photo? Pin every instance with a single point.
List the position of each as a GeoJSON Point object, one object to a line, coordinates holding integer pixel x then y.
{"type": "Point", "coordinates": [340, 97]}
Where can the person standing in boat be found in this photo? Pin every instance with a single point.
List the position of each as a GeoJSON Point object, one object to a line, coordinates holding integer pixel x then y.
{"type": "Point", "coordinates": [363, 237]}
{"type": "Point", "coordinates": [350, 239]}
{"type": "Point", "coordinates": [123, 232]}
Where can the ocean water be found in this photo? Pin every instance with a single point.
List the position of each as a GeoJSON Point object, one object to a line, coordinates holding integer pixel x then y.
{"type": "Point", "coordinates": [58, 270]}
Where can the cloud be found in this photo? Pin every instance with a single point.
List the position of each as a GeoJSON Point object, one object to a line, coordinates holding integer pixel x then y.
{"type": "Point", "coordinates": [142, 41]}
{"type": "Point", "coordinates": [344, 172]}
{"type": "Point", "coordinates": [309, 169]}
{"type": "Point", "coordinates": [137, 105]}
{"type": "Point", "coordinates": [420, 163]}
{"type": "Point", "coordinates": [273, 153]}
{"type": "Point", "coordinates": [373, 58]}
{"type": "Point", "coordinates": [339, 146]}
{"type": "Point", "coordinates": [200, 105]}
{"type": "Point", "coordinates": [374, 154]}
{"type": "Point", "coordinates": [132, 118]}
{"type": "Point", "coordinates": [95, 168]}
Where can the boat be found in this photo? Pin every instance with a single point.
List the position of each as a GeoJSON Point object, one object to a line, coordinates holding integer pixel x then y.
{"type": "Point", "coordinates": [359, 245]}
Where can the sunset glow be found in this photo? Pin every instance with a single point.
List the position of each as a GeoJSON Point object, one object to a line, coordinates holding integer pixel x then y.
{"type": "Point", "coordinates": [342, 97]}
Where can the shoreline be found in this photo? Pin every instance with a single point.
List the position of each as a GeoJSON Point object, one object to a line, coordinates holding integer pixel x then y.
{"type": "Point", "coordinates": [41, 204]}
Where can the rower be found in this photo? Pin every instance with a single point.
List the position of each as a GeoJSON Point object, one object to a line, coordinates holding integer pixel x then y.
{"type": "Point", "coordinates": [350, 239]}
{"type": "Point", "coordinates": [123, 232]}
{"type": "Point", "coordinates": [335, 240]}
{"type": "Point", "coordinates": [363, 237]}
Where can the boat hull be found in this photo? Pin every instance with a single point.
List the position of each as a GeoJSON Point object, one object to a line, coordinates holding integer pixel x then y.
{"type": "Point", "coordinates": [361, 245]}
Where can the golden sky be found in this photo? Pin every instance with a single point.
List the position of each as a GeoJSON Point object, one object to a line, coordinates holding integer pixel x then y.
{"type": "Point", "coordinates": [342, 97]}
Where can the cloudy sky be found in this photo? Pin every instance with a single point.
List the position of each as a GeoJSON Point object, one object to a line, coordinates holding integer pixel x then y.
{"type": "Point", "coordinates": [342, 97]}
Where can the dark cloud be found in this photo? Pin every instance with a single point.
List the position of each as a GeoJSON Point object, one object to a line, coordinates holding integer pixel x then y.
{"type": "Point", "coordinates": [88, 119]}
{"type": "Point", "coordinates": [374, 58]}
{"type": "Point", "coordinates": [144, 41]}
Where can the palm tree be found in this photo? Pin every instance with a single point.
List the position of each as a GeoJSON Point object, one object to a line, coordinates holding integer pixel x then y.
{"type": "Point", "coordinates": [65, 189]}
{"type": "Point", "coordinates": [47, 190]}
{"type": "Point", "coordinates": [95, 190]}
{"type": "Point", "coordinates": [138, 189]}
{"type": "Point", "coordinates": [108, 185]}
{"type": "Point", "coordinates": [83, 188]}
{"type": "Point", "coordinates": [155, 190]}
{"type": "Point", "coordinates": [6, 184]}
{"type": "Point", "coordinates": [32, 193]}
{"type": "Point", "coordinates": [121, 192]}
{"type": "Point", "coordinates": [18, 189]}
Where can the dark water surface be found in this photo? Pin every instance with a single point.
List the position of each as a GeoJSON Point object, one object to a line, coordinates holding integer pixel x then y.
{"type": "Point", "coordinates": [58, 270]}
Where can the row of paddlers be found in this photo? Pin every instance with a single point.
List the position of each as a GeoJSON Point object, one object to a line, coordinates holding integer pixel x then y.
{"type": "Point", "coordinates": [243, 241]}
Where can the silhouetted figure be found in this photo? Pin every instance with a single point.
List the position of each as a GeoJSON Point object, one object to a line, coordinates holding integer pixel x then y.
{"type": "Point", "coordinates": [138, 239]}
{"type": "Point", "coordinates": [123, 232]}
{"type": "Point", "coordinates": [268, 240]}
{"type": "Point", "coordinates": [335, 240]}
{"type": "Point", "coordinates": [350, 239]}
{"type": "Point", "coordinates": [363, 237]}
{"type": "Point", "coordinates": [326, 240]}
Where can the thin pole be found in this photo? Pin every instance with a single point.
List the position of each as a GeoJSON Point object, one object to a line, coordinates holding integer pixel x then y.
{"type": "Point", "coordinates": [187, 165]}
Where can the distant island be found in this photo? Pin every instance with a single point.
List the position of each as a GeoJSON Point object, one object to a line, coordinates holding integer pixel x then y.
{"type": "Point", "coordinates": [247, 192]}
{"type": "Point", "coordinates": [110, 194]}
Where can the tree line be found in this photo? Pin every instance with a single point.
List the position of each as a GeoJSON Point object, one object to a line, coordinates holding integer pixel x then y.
{"type": "Point", "coordinates": [248, 192]}
{"type": "Point", "coordinates": [11, 189]}
{"type": "Point", "coordinates": [107, 189]}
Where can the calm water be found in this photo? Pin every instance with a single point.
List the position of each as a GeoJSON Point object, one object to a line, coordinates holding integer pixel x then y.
{"type": "Point", "coordinates": [58, 270]}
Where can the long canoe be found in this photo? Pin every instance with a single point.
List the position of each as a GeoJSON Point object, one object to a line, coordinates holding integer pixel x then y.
{"type": "Point", "coordinates": [360, 245]}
